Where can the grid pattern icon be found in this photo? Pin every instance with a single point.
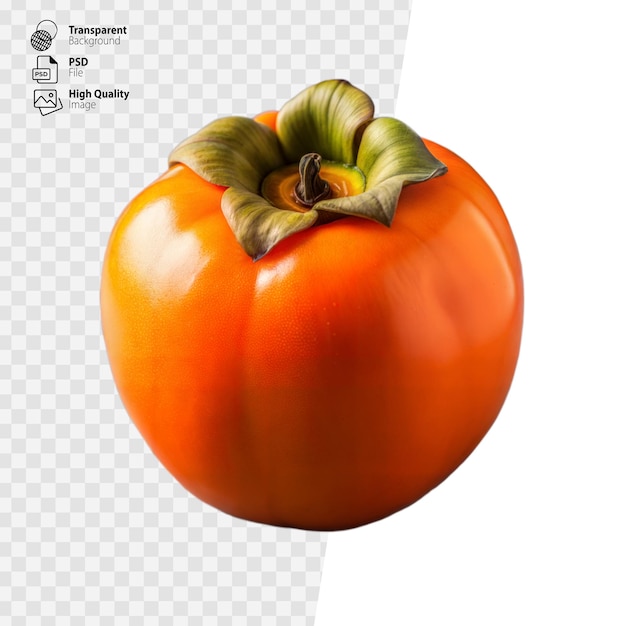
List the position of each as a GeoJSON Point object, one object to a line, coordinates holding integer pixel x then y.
{"type": "Point", "coordinates": [92, 529]}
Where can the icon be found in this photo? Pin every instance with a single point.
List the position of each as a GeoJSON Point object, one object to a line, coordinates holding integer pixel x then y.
{"type": "Point", "coordinates": [42, 38]}
{"type": "Point", "coordinates": [47, 70]}
{"type": "Point", "coordinates": [46, 101]}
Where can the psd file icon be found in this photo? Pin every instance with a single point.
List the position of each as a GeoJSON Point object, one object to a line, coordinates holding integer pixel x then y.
{"type": "Point", "coordinates": [47, 101]}
{"type": "Point", "coordinates": [47, 70]}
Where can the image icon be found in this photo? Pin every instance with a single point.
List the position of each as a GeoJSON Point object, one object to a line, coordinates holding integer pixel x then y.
{"type": "Point", "coordinates": [47, 101]}
{"type": "Point", "coordinates": [47, 70]}
{"type": "Point", "coordinates": [42, 38]}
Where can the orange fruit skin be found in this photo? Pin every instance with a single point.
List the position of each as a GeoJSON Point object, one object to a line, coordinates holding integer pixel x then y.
{"type": "Point", "coordinates": [336, 380]}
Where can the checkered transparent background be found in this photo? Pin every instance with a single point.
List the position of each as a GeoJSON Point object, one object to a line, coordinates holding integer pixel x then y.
{"type": "Point", "coordinates": [92, 529]}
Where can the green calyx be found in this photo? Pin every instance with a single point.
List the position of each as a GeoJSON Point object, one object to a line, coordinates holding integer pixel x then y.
{"type": "Point", "coordinates": [331, 125]}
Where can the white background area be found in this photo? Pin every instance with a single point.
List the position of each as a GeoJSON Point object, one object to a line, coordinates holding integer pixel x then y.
{"type": "Point", "coordinates": [531, 529]}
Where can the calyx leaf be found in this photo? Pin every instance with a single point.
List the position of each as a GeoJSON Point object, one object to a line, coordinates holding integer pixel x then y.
{"type": "Point", "coordinates": [326, 119]}
{"type": "Point", "coordinates": [259, 226]}
{"type": "Point", "coordinates": [231, 152]}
